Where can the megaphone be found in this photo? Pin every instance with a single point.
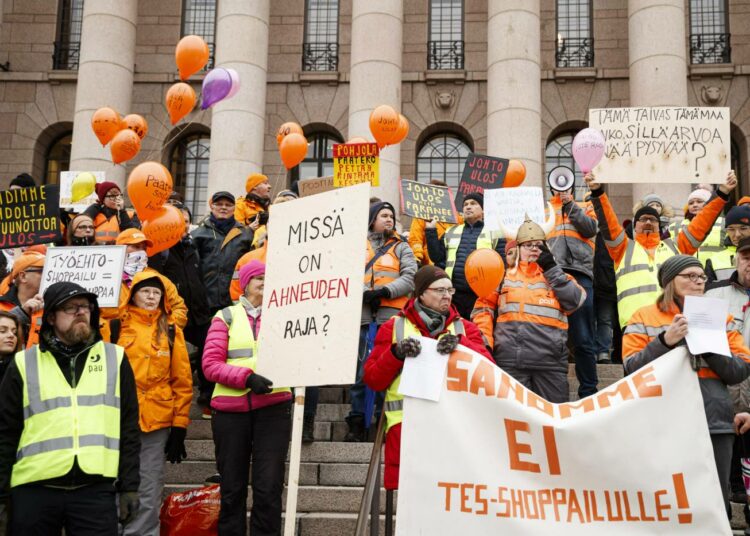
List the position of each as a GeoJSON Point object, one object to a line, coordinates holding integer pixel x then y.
{"type": "Point", "coordinates": [561, 179]}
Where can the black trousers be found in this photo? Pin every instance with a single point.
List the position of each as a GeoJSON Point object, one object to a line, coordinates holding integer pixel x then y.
{"type": "Point", "coordinates": [263, 436]}
{"type": "Point", "coordinates": [41, 511]}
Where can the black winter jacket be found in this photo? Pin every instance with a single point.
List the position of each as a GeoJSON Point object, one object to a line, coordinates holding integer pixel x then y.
{"type": "Point", "coordinates": [605, 284]}
{"type": "Point", "coordinates": [218, 253]}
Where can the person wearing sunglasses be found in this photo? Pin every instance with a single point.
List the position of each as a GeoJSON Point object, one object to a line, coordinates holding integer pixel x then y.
{"type": "Point", "coordinates": [525, 321]}
{"type": "Point", "coordinates": [638, 259]}
{"type": "Point", "coordinates": [430, 313]}
{"type": "Point", "coordinates": [655, 329]}
{"type": "Point", "coordinates": [109, 214]}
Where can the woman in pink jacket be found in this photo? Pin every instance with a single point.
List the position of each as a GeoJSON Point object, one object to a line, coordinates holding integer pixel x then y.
{"type": "Point", "coordinates": [250, 419]}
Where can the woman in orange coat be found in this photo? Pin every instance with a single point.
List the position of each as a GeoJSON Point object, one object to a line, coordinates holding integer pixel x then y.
{"type": "Point", "coordinates": [656, 329]}
{"type": "Point", "coordinates": [157, 353]}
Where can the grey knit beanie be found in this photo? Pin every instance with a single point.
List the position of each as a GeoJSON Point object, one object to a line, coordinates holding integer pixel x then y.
{"type": "Point", "coordinates": [652, 198]}
{"type": "Point", "coordinates": [674, 265]}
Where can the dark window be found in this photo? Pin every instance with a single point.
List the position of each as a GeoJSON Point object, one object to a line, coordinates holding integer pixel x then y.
{"type": "Point", "coordinates": [318, 161]}
{"type": "Point", "coordinates": [199, 18]}
{"type": "Point", "coordinates": [442, 157]}
{"type": "Point", "coordinates": [189, 168]}
{"type": "Point", "coordinates": [709, 37]}
{"type": "Point", "coordinates": [559, 152]}
{"type": "Point", "coordinates": [445, 48]}
{"type": "Point", "coordinates": [575, 45]}
{"type": "Point", "coordinates": [68, 43]}
{"type": "Point", "coordinates": [57, 158]}
{"type": "Point", "coordinates": [320, 50]}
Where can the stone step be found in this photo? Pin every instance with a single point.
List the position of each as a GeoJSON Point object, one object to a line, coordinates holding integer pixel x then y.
{"type": "Point", "coordinates": [332, 524]}
{"type": "Point", "coordinates": [313, 499]}
{"type": "Point", "coordinates": [310, 473]}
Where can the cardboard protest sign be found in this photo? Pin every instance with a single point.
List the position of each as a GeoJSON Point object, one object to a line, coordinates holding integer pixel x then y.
{"type": "Point", "coordinates": [427, 201]}
{"type": "Point", "coordinates": [29, 216]}
{"type": "Point", "coordinates": [480, 173]}
{"type": "Point", "coordinates": [491, 457]}
{"type": "Point", "coordinates": [511, 205]}
{"type": "Point", "coordinates": [97, 269]}
{"type": "Point", "coordinates": [66, 194]}
{"type": "Point", "coordinates": [668, 144]}
{"type": "Point", "coordinates": [314, 186]}
{"type": "Point", "coordinates": [312, 299]}
{"type": "Point", "coordinates": [355, 163]}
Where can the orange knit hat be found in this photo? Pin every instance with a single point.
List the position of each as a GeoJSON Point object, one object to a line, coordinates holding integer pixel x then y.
{"type": "Point", "coordinates": [253, 180]}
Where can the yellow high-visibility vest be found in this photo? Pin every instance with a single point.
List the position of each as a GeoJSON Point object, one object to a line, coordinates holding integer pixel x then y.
{"type": "Point", "coordinates": [452, 239]}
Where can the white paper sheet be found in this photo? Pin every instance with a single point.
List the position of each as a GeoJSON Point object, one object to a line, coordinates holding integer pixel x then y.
{"type": "Point", "coordinates": [707, 325]}
{"type": "Point", "coordinates": [423, 376]}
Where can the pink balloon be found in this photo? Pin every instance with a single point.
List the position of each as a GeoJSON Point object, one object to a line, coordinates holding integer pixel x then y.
{"type": "Point", "coordinates": [588, 148]}
{"type": "Point", "coordinates": [235, 83]}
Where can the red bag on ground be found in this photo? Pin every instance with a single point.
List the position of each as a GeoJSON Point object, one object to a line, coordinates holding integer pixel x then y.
{"type": "Point", "coordinates": [191, 512]}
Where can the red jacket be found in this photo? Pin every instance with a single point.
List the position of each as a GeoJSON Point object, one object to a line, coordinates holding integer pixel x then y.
{"type": "Point", "coordinates": [382, 367]}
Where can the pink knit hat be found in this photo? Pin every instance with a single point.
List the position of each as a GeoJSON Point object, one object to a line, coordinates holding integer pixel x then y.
{"type": "Point", "coordinates": [254, 268]}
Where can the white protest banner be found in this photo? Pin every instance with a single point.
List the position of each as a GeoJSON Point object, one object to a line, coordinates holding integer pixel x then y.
{"type": "Point", "coordinates": [312, 298]}
{"type": "Point", "coordinates": [491, 457]}
{"type": "Point", "coordinates": [66, 185]}
{"type": "Point", "coordinates": [511, 205]}
{"type": "Point", "coordinates": [667, 144]}
{"type": "Point", "coordinates": [97, 269]}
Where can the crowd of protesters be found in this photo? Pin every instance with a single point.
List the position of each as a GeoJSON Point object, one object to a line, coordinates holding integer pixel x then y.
{"type": "Point", "coordinates": [581, 287]}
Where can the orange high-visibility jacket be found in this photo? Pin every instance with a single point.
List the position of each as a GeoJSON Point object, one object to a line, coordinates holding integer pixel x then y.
{"type": "Point", "coordinates": [258, 254]}
{"type": "Point", "coordinates": [246, 209]}
{"type": "Point", "coordinates": [418, 241]}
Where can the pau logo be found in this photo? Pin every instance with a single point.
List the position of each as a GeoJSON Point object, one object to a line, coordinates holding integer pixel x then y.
{"type": "Point", "coordinates": [95, 364]}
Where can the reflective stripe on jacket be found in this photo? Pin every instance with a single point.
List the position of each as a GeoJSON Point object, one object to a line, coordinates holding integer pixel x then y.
{"type": "Point", "coordinates": [403, 328]}
{"type": "Point", "coordinates": [63, 424]}
{"type": "Point", "coordinates": [107, 230]}
{"type": "Point", "coordinates": [637, 281]}
{"type": "Point", "coordinates": [385, 270]}
{"type": "Point", "coordinates": [572, 239]}
{"type": "Point", "coordinates": [721, 265]}
{"type": "Point", "coordinates": [242, 350]}
{"type": "Point", "coordinates": [452, 239]}
{"type": "Point", "coordinates": [712, 245]}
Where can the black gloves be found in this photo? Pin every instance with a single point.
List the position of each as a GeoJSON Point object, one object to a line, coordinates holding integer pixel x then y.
{"type": "Point", "coordinates": [258, 384]}
{"type": "Point", "coordinates": [175, 447]}
{"type": "Point", "coordinates": [447, 343]}
{"type": "Point", "coordinates": [128, 506]}
{"type": "Point", "coordinates": [546, 260]}
{"type": "Point", "coordinates": [373, 297]}
{"type": "Point", "coordinates": [407, 348]}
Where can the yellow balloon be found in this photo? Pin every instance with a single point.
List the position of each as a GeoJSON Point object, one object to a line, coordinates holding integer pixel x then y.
{"type": "Point", "coordinates": [83, 185]}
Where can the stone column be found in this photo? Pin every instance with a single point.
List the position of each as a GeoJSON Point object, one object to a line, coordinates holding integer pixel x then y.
{"type": "Point", "coordinates": [658, 70]}
{"type": "Point", "coordinates": [514, 91]}
{"type": "Point", "coordinates": [238, 124]}
{"type": "Point", "coordinates": [375, 78]}
{"type": "Point", "coordinates": [105, 78]}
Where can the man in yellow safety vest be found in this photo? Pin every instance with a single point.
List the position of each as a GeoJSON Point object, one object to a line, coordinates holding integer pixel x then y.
{"type": "Point", "coordinates": [69, 435]}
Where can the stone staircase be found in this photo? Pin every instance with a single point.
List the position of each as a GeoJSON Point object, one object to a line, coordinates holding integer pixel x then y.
{"type": "Point", "coordinates": [332, 473]}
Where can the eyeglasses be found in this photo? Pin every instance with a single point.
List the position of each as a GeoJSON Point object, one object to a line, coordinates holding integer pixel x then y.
{"type": "Point", "coordinates": [443, 291]}
{"type": "Point", "coordinates": [527, 245]}
{"type": "Point", "coordinates": [114, 196]}
{"type": "Point", "coordinates": [74, 309]}
{"type": "Point", "coordinates": [695, 278]}
{"type": "Point", "coordinates": [653, 221]}
{"type": "Point", "coordinates": [33, 271]}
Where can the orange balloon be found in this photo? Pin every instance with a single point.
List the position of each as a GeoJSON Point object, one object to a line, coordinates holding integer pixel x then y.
{"type": "Point", "coordinates": [191, 55]}
{"type": "Point", "coordinates": [125, 145]}
{"type": "Point", "coordinates": [293, 149]}
{"type": "Point", "coordinates": [137, 124]}
{"type": "Point", "coordinates": [401, 131]}
{"type": "Point", "coordinates": [106, 123]}
{"type": "Point", "coordinates": [180, 101]}
{"type": "Point", "coordinates": [164, 229]}
{"type": "Point", "coordinates": [356, 139]}
{"type": "Point", "coordinates": [287, 128]}
{"type": "Point", "coordinates": [384, 123]}
{"type": "Point", "coordinates": [515, 174]}
{"type": "Point", "coordinates": [149, 186]}
{"type": "Point", "coordinates": [484, 270]}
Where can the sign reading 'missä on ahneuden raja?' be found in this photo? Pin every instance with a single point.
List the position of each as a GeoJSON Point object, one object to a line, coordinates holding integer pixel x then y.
{"type": "Point", "coordinates": [312, 296]}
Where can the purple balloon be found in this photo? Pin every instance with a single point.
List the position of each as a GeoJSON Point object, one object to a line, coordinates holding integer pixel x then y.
{"type": "Point", "coordinates": [216, 87]}
{"type": "Point", "coordinates": [235, 83]}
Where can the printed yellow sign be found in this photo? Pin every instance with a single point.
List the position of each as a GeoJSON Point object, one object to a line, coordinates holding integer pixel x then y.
{"type": "Point", "coordinates": [355, 163]}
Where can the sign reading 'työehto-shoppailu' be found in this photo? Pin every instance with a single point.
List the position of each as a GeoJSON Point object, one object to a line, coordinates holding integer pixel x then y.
{"type": "Point", "coordinates": [491, 457]}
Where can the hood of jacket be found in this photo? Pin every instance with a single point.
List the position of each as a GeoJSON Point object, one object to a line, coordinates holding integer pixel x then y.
{"type": "Point", "coordinates": [144, 276]}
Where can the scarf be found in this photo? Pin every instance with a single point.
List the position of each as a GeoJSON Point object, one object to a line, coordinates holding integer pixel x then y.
{"type": "Point", "coordinates": [434, 320]}
{"type": "Point", "coordinates": [223, 225]}
{"type": "Point", "coordinates": [135, 262]}
{"type": "Point", "coordinates": [82, 241]}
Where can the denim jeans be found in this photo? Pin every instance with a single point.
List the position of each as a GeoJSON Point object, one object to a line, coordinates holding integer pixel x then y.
{"type": "Point", "coordinates": [357, 390]}
{"type": "Point", "coordinates": [581, 333]}
{"type": "Point", "coordinates": [606, 317]}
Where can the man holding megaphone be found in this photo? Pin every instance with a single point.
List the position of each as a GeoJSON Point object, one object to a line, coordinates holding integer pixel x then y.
{"type": "Point", "coordinates": [572, 243]}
